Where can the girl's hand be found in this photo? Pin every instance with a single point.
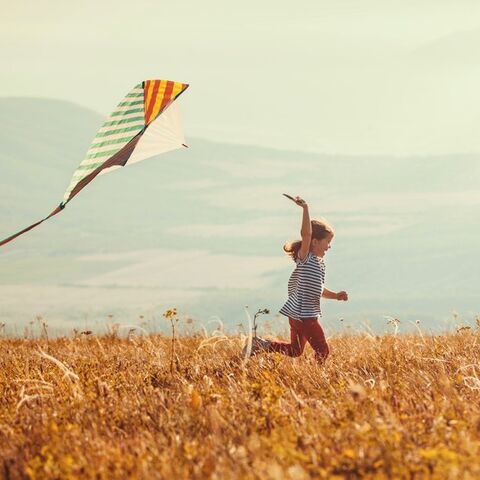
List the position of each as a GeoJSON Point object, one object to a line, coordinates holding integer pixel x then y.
{"type": "Point", "coordinates": [342, 296]}
{"type": "Point", "coordinates": [300, 202]}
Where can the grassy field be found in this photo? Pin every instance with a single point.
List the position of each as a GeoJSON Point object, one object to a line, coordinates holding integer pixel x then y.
{"type": "Point", "coordinates": [109, 407]}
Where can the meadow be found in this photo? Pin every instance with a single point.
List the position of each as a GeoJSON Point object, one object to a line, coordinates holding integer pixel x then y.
{"type": "Point", "coordinates": [147, 406]}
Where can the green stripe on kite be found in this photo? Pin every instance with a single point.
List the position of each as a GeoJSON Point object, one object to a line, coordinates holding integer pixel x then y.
{"type": "Point", "coordinates": [126, 112]}
{"type": "Point", "coordinates": [118, 130]}
{"type": "Point", "coordinates": [127, 104]}
{"type": "Point", "coordinates": [91, 167]}
{"type": "Point", "coordinates": [121, 122]}
{"type": "Point", "coordinates": [108, 153]}
{"type": "Point", "coordinates": [112, 142]}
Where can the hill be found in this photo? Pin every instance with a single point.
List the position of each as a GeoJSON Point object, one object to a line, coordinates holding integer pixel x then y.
{"type": "Point", "coordinates": [202, 229]}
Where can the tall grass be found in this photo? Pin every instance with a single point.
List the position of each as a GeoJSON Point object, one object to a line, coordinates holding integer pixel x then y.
{"type": "Point", "coordinates": [395, 406]}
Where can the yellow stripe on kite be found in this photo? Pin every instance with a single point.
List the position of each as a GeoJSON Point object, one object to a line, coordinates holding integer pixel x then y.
{"type": "Point", "coordinates": [159, 98]}
{"type": "Point", "coordinates": [177, 88]}
{"type": "Point", "coordinates": [148, 95]}
{"type": "Point", "coordinates": [158, 94]}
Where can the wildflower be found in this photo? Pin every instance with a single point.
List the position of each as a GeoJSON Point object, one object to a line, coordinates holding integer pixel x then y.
{"type": "Point", "coordinates": [170, 313]}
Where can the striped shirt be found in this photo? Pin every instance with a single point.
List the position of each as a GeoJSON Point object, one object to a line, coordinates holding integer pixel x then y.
{"type": "Point", "coordinates": [305, 288]}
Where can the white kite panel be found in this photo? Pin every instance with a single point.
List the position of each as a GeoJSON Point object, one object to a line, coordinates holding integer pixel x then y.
{"type": "Point", "coordinates": [162, 135]}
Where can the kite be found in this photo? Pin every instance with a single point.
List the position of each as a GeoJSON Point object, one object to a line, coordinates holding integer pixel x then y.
{"type": "Point", "coordinates": [144, 124]}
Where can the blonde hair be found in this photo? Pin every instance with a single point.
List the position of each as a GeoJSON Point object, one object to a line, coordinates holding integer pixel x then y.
{"type": "Point", "coordinates": [320, 230]}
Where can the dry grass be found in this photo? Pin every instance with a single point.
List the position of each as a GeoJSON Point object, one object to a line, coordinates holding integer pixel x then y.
{"type": "Point", "coordinates": [105, 407]}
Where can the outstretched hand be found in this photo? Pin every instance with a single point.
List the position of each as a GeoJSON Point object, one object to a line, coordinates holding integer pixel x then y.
{"type": "Point", "coordinates": [299, 201]}
{"type": "Point", "coordinates": [342, 296]}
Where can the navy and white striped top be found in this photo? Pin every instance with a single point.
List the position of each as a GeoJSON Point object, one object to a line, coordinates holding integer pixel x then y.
{"type": "Point", "coordinates": [305, 288]}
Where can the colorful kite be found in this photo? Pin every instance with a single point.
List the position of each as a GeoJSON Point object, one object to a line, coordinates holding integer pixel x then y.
{"type": "Point", "coordinates": [144, 124]}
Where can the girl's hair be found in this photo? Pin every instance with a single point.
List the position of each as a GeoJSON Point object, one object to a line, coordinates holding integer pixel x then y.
{"type": "Point", "coordinates": [320, 230]}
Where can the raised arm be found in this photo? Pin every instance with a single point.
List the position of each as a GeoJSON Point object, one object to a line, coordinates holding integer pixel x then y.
{"type": "Point", "coordinates": [306, 231]}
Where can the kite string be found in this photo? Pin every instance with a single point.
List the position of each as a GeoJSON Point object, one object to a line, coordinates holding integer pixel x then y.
{"type": "Point", "coordinates": [25, 230]}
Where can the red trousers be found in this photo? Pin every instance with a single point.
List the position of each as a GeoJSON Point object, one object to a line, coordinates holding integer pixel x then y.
{"type": "Point", "coordinates": [307, 330]}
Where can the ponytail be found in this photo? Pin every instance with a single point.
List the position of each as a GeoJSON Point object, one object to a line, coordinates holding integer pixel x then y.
{"type": "Point", "coordinates": [292, 249]}
{"type": "Point", "coordinates": [320, 230]}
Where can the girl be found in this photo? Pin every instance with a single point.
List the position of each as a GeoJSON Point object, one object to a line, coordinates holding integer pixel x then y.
{"type": "Point", "coordinates": [305, 287]}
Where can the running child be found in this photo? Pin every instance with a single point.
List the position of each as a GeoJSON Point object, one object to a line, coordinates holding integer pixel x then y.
{"type": "Point", "coordinates": [305, 287]}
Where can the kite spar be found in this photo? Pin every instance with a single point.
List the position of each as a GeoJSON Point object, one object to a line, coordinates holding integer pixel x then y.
{"type": "Point", "coordinates": [144, 124]}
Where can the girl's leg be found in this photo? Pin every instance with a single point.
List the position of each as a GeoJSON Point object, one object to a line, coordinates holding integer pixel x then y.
{"type": "Point", "coordinates": [297, 341]}
{"type": "Point", "coordinates": [315, 336]}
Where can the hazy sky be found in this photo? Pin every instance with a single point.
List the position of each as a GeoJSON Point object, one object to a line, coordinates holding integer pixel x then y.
{"type": "Point", "coordinates": [337, 76]}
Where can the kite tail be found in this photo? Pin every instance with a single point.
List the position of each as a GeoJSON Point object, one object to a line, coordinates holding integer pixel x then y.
{"type": "Point", "coordinates": [12, 237]}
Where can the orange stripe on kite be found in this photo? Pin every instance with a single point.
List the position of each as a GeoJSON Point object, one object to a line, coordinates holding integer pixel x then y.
{"type": "Point", "coordinates": [168, 95]}
{"type": "Point", "coordinates": [158, 99]}
{"type": "Point", "coordinates": [148, 91]}
{"type": "Point", "coordinates": [150, 101]}
{"type": "Point", "coordinates": [147, 95]}
{"type": "Point", "coordinates": [158, 95]}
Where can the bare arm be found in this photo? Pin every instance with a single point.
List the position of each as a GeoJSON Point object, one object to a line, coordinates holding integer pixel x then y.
{"type": "Point", "coordinates": [306, 231]}
{"type": "Point", "coordinates": [335, 295]}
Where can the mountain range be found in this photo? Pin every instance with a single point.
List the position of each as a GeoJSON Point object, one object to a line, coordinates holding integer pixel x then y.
{"type": "Point", "coordinates": [202, 229]}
